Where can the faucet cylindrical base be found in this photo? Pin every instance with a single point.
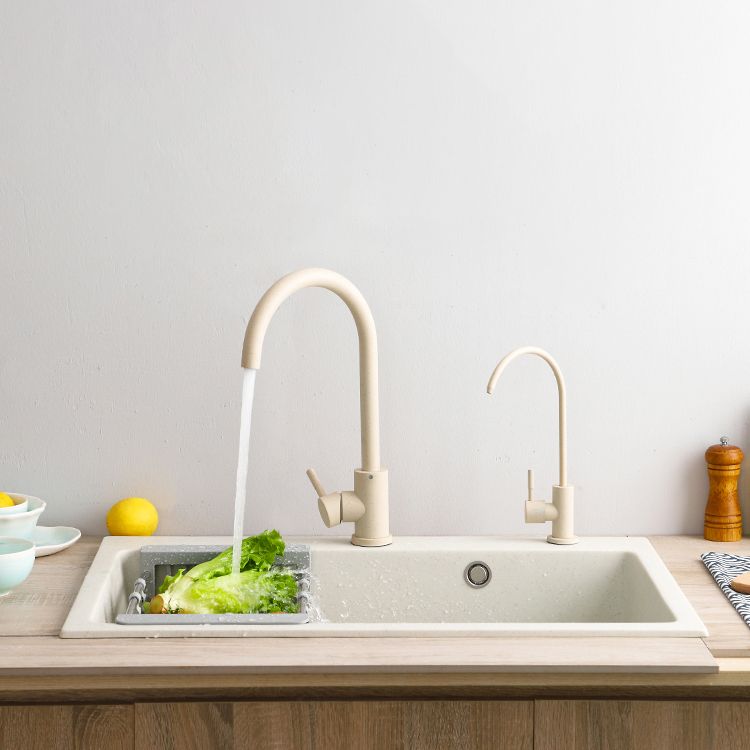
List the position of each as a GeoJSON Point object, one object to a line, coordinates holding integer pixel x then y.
{"type": "Point", "coordinates": [372, 530]}
{"type": "Point", "coordinates": [562, 526]}
{"type": "Point", "coordinates": [382, 541]}
{"type": "Point", "coordinates": [567, 540]}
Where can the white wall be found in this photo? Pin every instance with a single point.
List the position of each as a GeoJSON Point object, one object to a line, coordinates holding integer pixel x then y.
{"type": "Point", "coordinates": [572, 175]}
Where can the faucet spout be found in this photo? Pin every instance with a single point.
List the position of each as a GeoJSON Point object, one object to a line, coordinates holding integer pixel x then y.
{"type": "Point", "coordinates": [367, 505]}
{"type": "Point", "coordinates": [368, 344]}
{"type": "Point", "coordinates": [498, 371]}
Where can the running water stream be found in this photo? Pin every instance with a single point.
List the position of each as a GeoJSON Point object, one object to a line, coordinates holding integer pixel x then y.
{"type": "Point", "coordinates": [248, 390]}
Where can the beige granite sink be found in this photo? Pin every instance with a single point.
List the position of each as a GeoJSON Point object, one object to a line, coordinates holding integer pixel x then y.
{"type": "Point", "coordinates": [616, 586]}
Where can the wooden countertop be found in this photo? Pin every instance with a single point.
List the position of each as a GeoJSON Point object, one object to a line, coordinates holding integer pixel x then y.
{"type": "Point", "coordinates": [728, 636]}
{"type": "Point", "coordinates": [34, 661]}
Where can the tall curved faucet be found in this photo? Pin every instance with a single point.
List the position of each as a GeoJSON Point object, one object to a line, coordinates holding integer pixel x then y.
{"type": "Point", "coordinates": [367, 505]}
{"type": "Point", "coordinates": [560, 510]}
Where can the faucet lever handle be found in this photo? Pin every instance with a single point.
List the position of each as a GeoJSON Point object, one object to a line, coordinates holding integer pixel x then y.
{"type": "Point", "coordinates": [531, 485]}
{"type": "Point", "coordinates": [313, 477]}
{"type": "Point", "coordinates": [331, 507]}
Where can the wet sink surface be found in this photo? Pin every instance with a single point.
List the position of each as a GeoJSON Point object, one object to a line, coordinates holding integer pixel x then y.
{"type": "Point", "coordinates": [417, 587]}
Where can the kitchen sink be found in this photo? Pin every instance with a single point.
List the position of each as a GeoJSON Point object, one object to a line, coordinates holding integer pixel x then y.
{"type": "Point", "coordinates": [430, 586]}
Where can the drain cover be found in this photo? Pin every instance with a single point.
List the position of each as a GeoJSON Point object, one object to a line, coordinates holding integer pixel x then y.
{"type": "Point", "coordinates": [477, 574]}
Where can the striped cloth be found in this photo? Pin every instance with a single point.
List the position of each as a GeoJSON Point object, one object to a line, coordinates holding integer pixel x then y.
{"type": "Point", "coordinates": [724, 567]}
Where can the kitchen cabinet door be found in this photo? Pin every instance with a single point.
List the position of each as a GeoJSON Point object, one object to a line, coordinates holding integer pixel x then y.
{"type": "Point", "coordinates": [66, 727]}
{"type": "Point", "coordinates": [365, 725]}
{"type": "Point", "coordinates": [640, 725]}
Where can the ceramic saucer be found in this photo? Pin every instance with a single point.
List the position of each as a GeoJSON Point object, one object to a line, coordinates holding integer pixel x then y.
{"type": "Point", "coordinates": [51, 539]}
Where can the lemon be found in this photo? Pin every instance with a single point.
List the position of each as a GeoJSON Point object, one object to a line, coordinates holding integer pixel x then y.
{"type": "Point", "coordinates": [6, 500]}
{"type": "Point", "coordinates": [133, 516]}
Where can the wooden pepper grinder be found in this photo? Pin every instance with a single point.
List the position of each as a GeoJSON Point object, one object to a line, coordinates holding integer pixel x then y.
{"type": "Point", "coordinates": [723, 520]}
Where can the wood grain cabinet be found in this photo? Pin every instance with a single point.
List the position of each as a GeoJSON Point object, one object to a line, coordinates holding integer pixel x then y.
{"type": "Point", "coordinates": [386, 725]}
{"type": "Point", "coordinates": [330, 725]}
{"type": "Point", "coordinates": [66, 727]}
{"type": "Point", "coordinates": [640, 725]}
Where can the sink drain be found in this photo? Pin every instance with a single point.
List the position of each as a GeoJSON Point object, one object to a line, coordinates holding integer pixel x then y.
{"type": "Point", "coordinates": [477, 574]}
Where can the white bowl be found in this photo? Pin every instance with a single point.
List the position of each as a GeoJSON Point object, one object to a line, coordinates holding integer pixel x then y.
{"type": "Point", "coordinates": [16, 562]}
{"type": "Point", "coordinates": [21, 505]}
{"type": "Point", "coordinates": [22, 525]}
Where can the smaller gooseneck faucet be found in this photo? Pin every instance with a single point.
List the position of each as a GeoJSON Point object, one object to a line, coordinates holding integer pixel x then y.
{"type": "Point", "coordinates": [560, 510]}
{"type": "Point", "coordinates": [367, 505]}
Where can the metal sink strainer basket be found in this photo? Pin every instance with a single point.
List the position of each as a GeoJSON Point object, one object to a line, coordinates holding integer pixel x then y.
{"type": "Point", "coordinates": [157, 562]}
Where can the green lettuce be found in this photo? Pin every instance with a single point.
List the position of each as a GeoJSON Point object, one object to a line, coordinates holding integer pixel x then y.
{"type": "Point", "coordinates": [211, 588]}
{"type": "Point", "coordinates": [252, 591]}
{"type": "Point", "coordinates": [258, 553]}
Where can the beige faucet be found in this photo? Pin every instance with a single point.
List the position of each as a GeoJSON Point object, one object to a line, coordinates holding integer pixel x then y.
{"type": "Point", "coordinates": [560, 510]}
{"type": "Point", "coordinates": [367, 505]}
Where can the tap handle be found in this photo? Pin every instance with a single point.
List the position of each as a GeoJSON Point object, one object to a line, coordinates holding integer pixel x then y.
{"type": "Point", "coordinates": [531, 485]}
{"type": "Point", "coordinates": [313, 477]}
{"type": "Point", "coordinates": [330, 507]}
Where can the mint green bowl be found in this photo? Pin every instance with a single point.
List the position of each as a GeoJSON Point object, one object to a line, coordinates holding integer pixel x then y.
{"type": "Point", "coordinates": [16, 562]}
{"type": "Point", "coordinates": [22, 525]}
{"type": "Point", "coordinates": [21, 504]}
